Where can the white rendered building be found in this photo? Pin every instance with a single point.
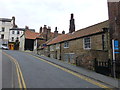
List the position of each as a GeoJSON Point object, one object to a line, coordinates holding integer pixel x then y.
{"type": "Point", "coordinates": [5, 25]}
{"type": "Point", "coordinates": [15, 34]}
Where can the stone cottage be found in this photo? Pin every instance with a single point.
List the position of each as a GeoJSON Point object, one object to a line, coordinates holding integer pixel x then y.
{"type": "Point", "coordinates": [82, 46]}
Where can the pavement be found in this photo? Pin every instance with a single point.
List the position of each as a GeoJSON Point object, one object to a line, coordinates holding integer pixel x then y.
{"type": "Point", "coordinates": [88, 73]}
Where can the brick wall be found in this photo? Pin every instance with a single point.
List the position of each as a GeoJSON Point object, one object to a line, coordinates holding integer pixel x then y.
{"type": "Point", "coordinates": [114, 19]}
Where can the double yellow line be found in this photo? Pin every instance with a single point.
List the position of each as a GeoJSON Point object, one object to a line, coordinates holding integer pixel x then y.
{"type": "Point", "coordinates": [21, 80]}
{"type": "Point", "coordinates": [75, 74]}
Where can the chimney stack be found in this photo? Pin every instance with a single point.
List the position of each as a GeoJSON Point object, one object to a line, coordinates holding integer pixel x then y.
{"type": "Point", "coordinates": [49, 29]}
{"type": "Point", "coordinates": [13, 18]}
{"type": "Point", "coordinates": [40, 31]}
{"type": "Point", "coordinates": [55, 32]}
{"type": "Point", "coordinates": [49, 33]}
{"type": "Point", "coordinates": [45, 29]}
{"type": "Point", "coordinates": [26, 27]}
{"type": "Point", "coordinates": [72, 24]}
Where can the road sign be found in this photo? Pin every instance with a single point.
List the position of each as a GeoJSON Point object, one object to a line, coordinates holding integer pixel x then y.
{"type": "Point", "coordinates": [116, 46]}
{"type": "Point", "coordinates": [116, 43]}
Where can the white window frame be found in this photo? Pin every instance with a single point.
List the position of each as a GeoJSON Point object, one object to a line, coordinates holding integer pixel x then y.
{"type": "Point", "coordinates": [66, 44]}
{"type": "Point", "coordinates": [87, 43]}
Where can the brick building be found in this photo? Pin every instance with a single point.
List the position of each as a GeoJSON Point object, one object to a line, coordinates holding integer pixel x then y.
{"type": "Point", "coordinates": [46, 33]}
{"type": "Point", "coordinates": [114, 23]}
{"type": "Point", "coordinates": [114, 26]}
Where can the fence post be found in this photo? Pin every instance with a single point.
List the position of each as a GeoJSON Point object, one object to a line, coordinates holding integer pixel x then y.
{"type": "Point", "coordinates": [95, 64]}
{"type": "Point", "coordinates": [109, 66]}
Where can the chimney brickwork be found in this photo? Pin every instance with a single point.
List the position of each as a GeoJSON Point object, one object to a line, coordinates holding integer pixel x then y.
{"type": "Point", "coordinates": [114, 23]}
{"type": "Point", "coordinates": [55, 32]}
{"type": "Point", "coordinates": [72, 24]}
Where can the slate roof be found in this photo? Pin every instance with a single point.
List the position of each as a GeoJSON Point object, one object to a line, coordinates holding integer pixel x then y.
{"type": "Point", "coordinates": [80, 33]}
{"type": "Point", "coordinates": [5, 20]}
{"type": "Point", "coordinates": [20, 29]}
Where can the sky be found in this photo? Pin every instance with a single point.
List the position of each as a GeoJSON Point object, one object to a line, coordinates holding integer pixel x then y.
{"type": "Point", "coordinates": [54, 13]}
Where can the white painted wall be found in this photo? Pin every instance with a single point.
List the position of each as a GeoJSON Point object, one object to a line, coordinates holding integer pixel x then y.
{"type": "Point", "coordinates": [35, 44]}
{"type": "Point", "coordinates": [15, 35]}
{"type": "Point", "coordinates": [22, 43]}
{"type": "Point", "coordinates": [7, 26]}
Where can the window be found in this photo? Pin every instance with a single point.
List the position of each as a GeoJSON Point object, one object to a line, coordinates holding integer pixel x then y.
{"type": "Point", "coordinates": [66, 44]}
{"type": "Point", "coordinates": [87, 43]}
{"type": "Point", "coordinates": [3, 29]}
{"type": "Point", "coordinates": [18, 32]}
{"type": "Point", "coordinates": [3, 22]}
{"type": "Point", "coordinates": [17, 38]}
{"type": "Point", "coordinates": [13, 32]}
{"type": "Point", "coordinates": [57, 46]}
{"type": "Point", "coordinates": [2, 36]}
{"type": "Point", "coordinates": [51, 48]}
{"type": "Point", "coordinates": [12, 38]}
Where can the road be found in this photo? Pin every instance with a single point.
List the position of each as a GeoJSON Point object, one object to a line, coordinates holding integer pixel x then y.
{"type": "Point", "coordinates": [26, 71]}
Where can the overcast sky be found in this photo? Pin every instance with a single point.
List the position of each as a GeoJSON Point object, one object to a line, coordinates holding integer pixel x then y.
{"type": "Point", "coordinates": [36, 13]}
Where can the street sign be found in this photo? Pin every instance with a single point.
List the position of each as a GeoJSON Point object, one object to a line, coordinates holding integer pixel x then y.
{"type": "Point", "coordinates": [116, 46]}
{"type": "Point", "coordinates": [116, 43]}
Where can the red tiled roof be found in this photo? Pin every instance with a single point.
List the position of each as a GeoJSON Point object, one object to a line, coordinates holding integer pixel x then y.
{"type": "Point", "coordinates": [80, 33]}
{"type": "Point", "coordinates": [31, 35]}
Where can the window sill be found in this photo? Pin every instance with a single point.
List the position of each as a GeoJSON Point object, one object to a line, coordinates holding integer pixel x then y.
{"type": "Point", "coordinates": [66, 47]}
{"type": "Point", "coordinates": [87, 48]}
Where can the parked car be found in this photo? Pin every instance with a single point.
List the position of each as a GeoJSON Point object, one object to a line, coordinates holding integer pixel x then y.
{"type": "Point", "coordinates": [4, 47]}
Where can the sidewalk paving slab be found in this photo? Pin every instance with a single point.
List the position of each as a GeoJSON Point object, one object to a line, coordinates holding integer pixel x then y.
{"type": "Point", "coordinates": [89, 73]}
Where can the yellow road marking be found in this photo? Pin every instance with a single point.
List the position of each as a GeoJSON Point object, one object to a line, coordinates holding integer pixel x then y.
{"type": "Point", "coordinates": [19, 72]}
{"type": "Point", "coordinates": [75, 74]}
{"type": "Point", "coordinates": [24, 85]}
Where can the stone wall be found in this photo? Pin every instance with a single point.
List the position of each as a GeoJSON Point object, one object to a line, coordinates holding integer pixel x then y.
{"type": "Point", "coordinates": [86, 56]}
{"type": "Point", "coordinates": [76, 52]}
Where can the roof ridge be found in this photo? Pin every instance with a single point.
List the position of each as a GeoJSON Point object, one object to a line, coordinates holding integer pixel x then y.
{"type": "Point", "coordinates": [93, 25]}
{"type": "Point", "coordinates": [80, 33]}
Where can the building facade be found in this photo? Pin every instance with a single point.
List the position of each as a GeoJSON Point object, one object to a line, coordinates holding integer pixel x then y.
{"type": "Point", "coordinates": [14, 37]}
{"type": "Point", "coordinates": [5, 25]}
{"type": "Point", "coordinates": [47, 35]}
{"type": "Point", "coordinates": [114, 18]}
{"type": "Point", "coordinates": [82, 46]}
{"type": "Point", "coordinates": [114, 23]}
{"type": "Point", "coordinates": [30, 40]}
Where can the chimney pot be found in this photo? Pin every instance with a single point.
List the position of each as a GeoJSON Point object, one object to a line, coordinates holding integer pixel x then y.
{"type": "Point", "coordinates": [63, 32]}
